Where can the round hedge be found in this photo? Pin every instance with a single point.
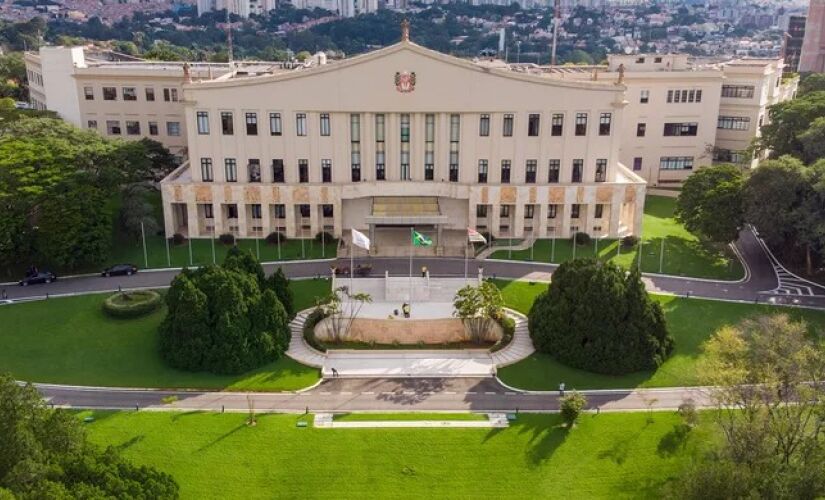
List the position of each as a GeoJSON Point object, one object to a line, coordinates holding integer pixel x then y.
{"type": "Point", "coordinates": [131, 304]}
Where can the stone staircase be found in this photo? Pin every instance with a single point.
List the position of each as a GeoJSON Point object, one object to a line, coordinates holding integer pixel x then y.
{"type": "Point", "coordinates": [298, 349]}
{"type": "Point", "coordinates": [519, 348]}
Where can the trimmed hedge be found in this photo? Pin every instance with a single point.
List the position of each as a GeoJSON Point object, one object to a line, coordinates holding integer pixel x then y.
{"type": "Point", "coordinates": [312, 320]}
{"type": "Point", "coordinates": [131, 304]}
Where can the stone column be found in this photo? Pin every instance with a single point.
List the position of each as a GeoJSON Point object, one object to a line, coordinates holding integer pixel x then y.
{"type": "Point", "coordinates": [615, 213]}
{"type": "Point", "coordinates": [517, 227]}
{"type": "Point", "coordinates": [540, 220]}
{"type": "Point", "coordinates": [289, 221]}
{"type": "Point", "coordinates": [494, 216]}
{"type": "Point", "coordinates": [191, 219]}
{"type": "Point", "coordinates": [565, 220]}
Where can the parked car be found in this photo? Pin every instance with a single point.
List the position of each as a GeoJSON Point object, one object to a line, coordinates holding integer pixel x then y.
{"type": "Point", "coordinates": [359, 270]}
{"type": "Point", "coordinates": [120, 270]}
{"type": "Point", "coordinates": [38, 277]}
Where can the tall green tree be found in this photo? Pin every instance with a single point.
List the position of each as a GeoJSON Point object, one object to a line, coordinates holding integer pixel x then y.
{"type": "Point", "coordinates": [787, 122]}
{"type": "Point", "coordinates": [279, 283]}
{"type": "Point", "coordinates": [710, 203]}
{"type": "Point", "coordinates": [814, 82]}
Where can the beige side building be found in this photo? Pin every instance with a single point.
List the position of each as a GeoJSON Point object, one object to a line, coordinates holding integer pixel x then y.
{"type": "Point", "coordinates": [398, 138]}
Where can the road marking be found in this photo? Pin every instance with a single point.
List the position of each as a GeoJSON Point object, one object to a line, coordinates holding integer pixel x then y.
{"type": "Point", "coordinates": [368, 393]}
{"type": "Point", "coordinates": [490, 393]}
{"type": "Point", "coordinates": [325, 393]}
{"type": "Point", "coordinates": [387, 393]}
{"type": "Point", "coordinates": [470, 393]}
{"type": "Point", "coordinates": [408, 393]}
{"type": "Point", "coordinates": [346, 393]}
{"type": "Point", "coordinates": [510, 393]}
{"type": "Point", "coordinates": [451, 393]}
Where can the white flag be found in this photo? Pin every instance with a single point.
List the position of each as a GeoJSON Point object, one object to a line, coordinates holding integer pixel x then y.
{"type": "Point", "coordinates": [475, 236]}
{"type": "Point", "coordinates": [360, 239]}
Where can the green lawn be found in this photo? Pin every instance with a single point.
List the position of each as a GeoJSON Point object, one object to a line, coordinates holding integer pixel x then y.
{"type": "Point", "coordinates": [71, 341]}
{"type": "Point", "coordinates": [684, 254]}
{"type": "Point", "coordinates": [212, 455]}
{"type": "Point", "coordinates": [373, 417]}
{"type": "Point", "coordinates": [691, 322]}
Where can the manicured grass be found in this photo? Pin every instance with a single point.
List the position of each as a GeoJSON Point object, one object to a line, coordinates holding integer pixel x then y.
{"type": "Point", "coordinates": [71, 341]}
{"type": "Point", "coordinates": [684, 254]}
{"type": "Point", "coordinates": [373, 417]}
{"type": "Point", "coordinates": [691, 321]}
{"type": "Point", "coordinates": [619, 455]}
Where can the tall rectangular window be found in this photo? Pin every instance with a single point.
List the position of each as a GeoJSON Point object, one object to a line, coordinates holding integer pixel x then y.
{"type": "Point", "coordinates": [481, 211]}
{"type": "Point", "coordinates": [113, 127]}
{"type": "Point", "coordinates": [557, 125]}
{"type": "Point", "coordinates": [531, 168]}
{"type": "Point", "coordinates": [251, 123]}
{"type": "Point", "coordinates": [601, 170]}
{"type": "Point", "coordinates": [575, 211]}
{"type": "Point", "coordinates": [599, 211]}
{"type": "Point", "coordinates": [173, 129]}
{"type": "Point", "coordinates": [227, 124]}
{"type": "Point", "coordinates": [482, 171]}
{"type": "Point", "coordinates": [507, 127]}
{"type": "Point", "coordinates": [150, 95]}
{"type": "Point", "coordinates": [355, 146]}
{"type": "Point", "coordinates": [455, 135]}
{"type": "Point", "coordinates": [255, 210]}
{"type": "Point", "coordinates": [170, 95]}
{"type": "Point", "coordinates": [232, 211]}
{"type": "Point", "coordinates": [641, 129]}
{"type": "Point", "coordinates": [637, 163]}
{"type": "Point", "coordinates": [325, 125]}
{"type": "Point", "coordinates": [301, 124]}
{"type": "Point", "coordinates": [552, 211]}
{"type": "Point", "coordinates": [254, 170]}
{"type": "Point", "coordinates": [231, 169]}
{"type": "Point", "coordinates": [578, 166]}
{"type": "Point", "coordinates": [153, 128]}
{"type": "Point", "coordinates": [429, 147]}
{"type": "Point", "coordinates": [109, 93]}
{"type": "Point", "coordinates": [279, 211]}
{"type": "Point", "coordinates": [533, 122]}
{"type": "Point", "coordinates": [484, 125]}
{"type": "Point", "coordinates": [604, 123]}
{"type": "Point", "coordinates": [405, 146]}
{"type": "Point", "coordinates": [326, 170]}
{"type": "Point", "coordinates": [505, 171]}
{"type": "Point", "coordinates": [554, 171]}
{"type": "Point", "coordinates": [206, 169]}
{"type": "Point", "coordinates": [275, 124]}
{"type": "Point", "coordinates": [380, 148]}
{"type": "Point", "coordinates": [132, 127]}
{"type": "Point", "coordinates": [203, 122]}
{"type": "Point", "coordinates": [129, 93]}
{"type": "Point", "coordinates": [644, 96]}
{"type": "Point", "coordinates": [581, 124]}
{"type": "Point", "coordinates": [89, 93]}
{"type": "Point", "coordinates": [303, 171]}
{"type": "Point", "coordinates": [278, 174]}
{"type": "Point", "coordinates": [529, 211]}
{"type": "Point", "coordinates": [208, 211]}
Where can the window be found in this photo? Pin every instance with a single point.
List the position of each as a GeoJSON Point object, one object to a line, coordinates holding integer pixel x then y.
{"type": "Point", "coordinates": [505, 171]}
{"type": "Point", "coordinates": [232, 211]}
{"type": "Point", "coordinates": [355, 146]}
{"type": "Point", "coordinates": [89, 93]}
{"type": "Point", "coordinates": [729, 156]}
{"type": "Point", "coordinates": [405, 147]}
{"type": "Point", "coordinates": [530, 171]}
{"type": "Point", "coordinates": [255, 210]}
{"type": "Point", "coordinates": [132, 127]}
{"type": "Point", "coordinates": [280, 211]}
{"type": "Point", "coordinates": [640, 60]}
{"type": "Point", "coordinates": [231, 169]}
{"type": "Point", "coordinates": [91, 124]}
{"type": "Point", "coordinates": [581, 124]}
{"type": "Point", "coordinates": [676, 163]}
{"type": "Point", "coordinates": [657, 59]}
{"type": "Point", "coordinates": [637, 163]}
{"type": "Point", "coordinates": [303, 171]}
{"type": "Point", "coordinates": [326, 170]}
{"type": "Point", "coordinates": [575, 211]}
{"type": "Point", "coordinates": [557, 125]}
{"type": "Point", "coordinates": [507, 126]}
{"type": "Point", "coordinates": [552, 211]}
{"type": "Point", "coordinates": [455, 134]}
{"type": "Point", "coordinates": [170, 95]}
{"type": "Point", "coordinates": [599, 211]}
{"type": "Point", "coordinates": [303, 209]}
{"type": "Point", "coordinates": [150, 95]}
{"type": "Point", "coordinates": [325, 126]}
{"type": "Point", "coordinates": [206, 170]}
{"type": "Point", "coordinates": [227, 123]}
{"type": "Point", "coordinates": [251, 123]}
{"type": "Point", "coordinates": [484, 126]}
{"type": "Point", "coordinates": [301, 124]}
{"type": "Point", "coordinates": [734, 123]}
{"type": "Point", "coordinates": [738, 91]}
{"type": "Point", "coordinates": [129, 94]}
{"type": "Point", "coordinates": [644, 96]}
{"type": "Point", "coordinates": [203, 122]}
{"type": "Point", "coordinates": [254, 170]}
{"type": "Point", "coordinates": [529, 211]}
{"type": "Point", "coordinates": [278, 174]}
{"type": "Point", "coordinates": [481, 211]}
{"type": "Point", "coordinates": [109, 94]}
{"type": "Point", "coordinates": [482, 171]}
{"type": "Point", "coordinates": [684, 96]}
{"type": "Point", "coordinates": [533, 120]}
{"type": "Point", "coordinates": [153, 128]}
{"type": "Point", "coordinates": [429, 147]}
{"type": "Point", "coordinates": [380, 151]}
{"type": "Point", "coordinates": [504, 211]}
{"type": "Point", "coordinates": [578, 166]}
{"type": "Point", "coordinates": [208, 212]}
{"type": "Point", "coordinates": [274, 123]}
{"type": "Point", "coordinates": [173, 129]}
{"type": "Point", "coordinates": [601, 170]}
{"type": "Point", "coordinates": [554, 168]}
{"type": "Point", "coordinates": [681, 129]}
{"type": "Point", "coordinates": [327, 210]}
{"type": "Point", "coordinates": [113, 127]}
{"type": "Point", "coordinates": [604, 123]}
{"type": "Point", "coordinates": [641, 129]}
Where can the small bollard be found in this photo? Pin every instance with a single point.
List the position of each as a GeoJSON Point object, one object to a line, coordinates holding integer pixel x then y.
{"type": "Point", "coordinates": [598, 410]}
{"type": "Point", "coordinates": [47, 295]}
{"type": "Point", "coordinates": [222, 408]}
{"type": "Point", "coordinates": [306, 412]}
{"type": "Point", "coordinates": [137, 408]}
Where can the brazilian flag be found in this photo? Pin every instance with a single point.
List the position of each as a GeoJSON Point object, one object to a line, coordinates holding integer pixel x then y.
{"type": "Point", "coordinates": [419, 240]}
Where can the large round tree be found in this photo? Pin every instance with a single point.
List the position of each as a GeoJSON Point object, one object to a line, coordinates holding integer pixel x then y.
{"type": "Point", "coordinates": [597, 317]}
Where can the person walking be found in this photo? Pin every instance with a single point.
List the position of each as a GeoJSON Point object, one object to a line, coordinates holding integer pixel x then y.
{"type": "Point", "coordinates": [406, 309]}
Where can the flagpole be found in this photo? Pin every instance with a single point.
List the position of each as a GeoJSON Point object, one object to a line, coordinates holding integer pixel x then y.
{"type": "Point", "coordinates": [412, 248]}
{"type": "Point", "coordinates": [351, 263]}
{"type": "Point", "coordinates": [466, 260]}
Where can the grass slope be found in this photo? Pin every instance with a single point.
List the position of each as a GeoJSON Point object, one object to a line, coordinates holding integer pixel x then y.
{"type": "Point", "coordinates": [691, 321]}
{"type": "Point", "coordinates": [71, 341]}
{"type": "Point", "coordinates": [218, 456]}
{"type": "Point", "coordinates": [685, 255]}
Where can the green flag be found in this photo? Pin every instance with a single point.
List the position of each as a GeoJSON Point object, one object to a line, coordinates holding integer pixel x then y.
{"type": "Point", "coordinates": [419, 240]}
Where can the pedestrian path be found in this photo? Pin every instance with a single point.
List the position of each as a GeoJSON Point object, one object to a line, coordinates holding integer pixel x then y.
{"type": "Point", "coordinates": [494, 420]}
{"type": "Point", "coordinates": [299, 350]}
{"type": "Point", "coordinates": [789, 283]}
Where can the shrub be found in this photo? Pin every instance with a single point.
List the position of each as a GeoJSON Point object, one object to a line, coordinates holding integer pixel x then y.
{"type": "Point", "coordinates": [595, 317]}
{"type": "Point", "coordinates": [312, 320]}
{"type": "Point", "coordinates": [131, 304]}
{"type": "Point", "coordinates": [571, 406]}
{"type": "Point", "coordinates": [227, 238]}
{"type": "Point", "coordinates": [582, 238]}
{"type": "Point", "coordinates": [177, 239]}
{"type": "Point", "coordinates": [508, 329]}
{"type": "Point", "coordinates": [274, 237]}
{"type": "Point", "coordinates": [630, 241]}
{"type": "Point", "coordinates": [324, 236]}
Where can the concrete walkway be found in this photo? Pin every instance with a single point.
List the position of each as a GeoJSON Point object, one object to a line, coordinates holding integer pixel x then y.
{"type": "Point", "coordinates": [494, 420]}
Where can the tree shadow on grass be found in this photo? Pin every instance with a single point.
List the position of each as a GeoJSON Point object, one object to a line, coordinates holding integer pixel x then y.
{"type": "Point", "coordinates": [222, 437]}
{"type": "Point", "coordinates": [674, 441]}
{"type": "Point", "coordinates": [545, 434]}
{"type": "Point", "coordinates": [129, 443]}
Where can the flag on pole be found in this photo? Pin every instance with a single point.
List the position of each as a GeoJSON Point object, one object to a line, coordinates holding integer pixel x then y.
{"type": "Point", "coordinates": [419, 240]}
{"type": "Point", "coordinates": [360, 240]}
{"type": "Point", "coordinates": [475, 236]}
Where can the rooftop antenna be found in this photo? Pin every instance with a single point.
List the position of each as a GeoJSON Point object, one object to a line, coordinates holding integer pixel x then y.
{"type": "Point", "coordinates": [229, 55]}
{"type": "Point", "coordinates": [556, 19]}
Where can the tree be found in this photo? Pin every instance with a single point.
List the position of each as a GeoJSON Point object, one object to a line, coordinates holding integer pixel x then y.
{"type": "Point", "coordinates": [595, 317]}
{"type": "Point", "coordinates": [244, 261]}
{"type": "Point", "coordinates": [478, 307]}
{"type": "Point", "coordinates": [279, 283]}
{"type": "Point", "coordinates": [812, 140]}
{"type": "Point", "coordinates": [710, 203]}
{"type": "Point", "coordinates": [787, 121]}
{"type": "Point", "coordinates": [815, 82]}
{"type": "Point", "coordinates": [340, 316]}
{"type": "Point", "coordinates": [571, 406]}
{"type": "Point", "coordinates": [767, 375]}
{"type": "Point", "coordinates": [137, 215]}
{"type": "Point", "coordinates": [46, 455]}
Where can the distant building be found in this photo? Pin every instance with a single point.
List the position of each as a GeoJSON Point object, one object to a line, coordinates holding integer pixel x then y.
{"type": "Point", "coordinates": [244, 8]}
{"type": "Point", "coordinates": [812, 58]}
{"type": "Point", "coordinates": [793, 43]}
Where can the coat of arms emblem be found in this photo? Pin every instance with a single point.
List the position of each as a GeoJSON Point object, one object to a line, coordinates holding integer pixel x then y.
{"type": "Point", "coordinates": [404, 81]}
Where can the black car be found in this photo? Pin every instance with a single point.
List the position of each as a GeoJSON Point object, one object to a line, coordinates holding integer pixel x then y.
{"type": "Point", "coordinates": [120, 270]}
{"type": "Point", "coordinates": [38, 277]}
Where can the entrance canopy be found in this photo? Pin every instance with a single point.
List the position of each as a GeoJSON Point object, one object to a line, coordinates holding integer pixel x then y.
{"type": "Point", "coordinates": [405, 211]}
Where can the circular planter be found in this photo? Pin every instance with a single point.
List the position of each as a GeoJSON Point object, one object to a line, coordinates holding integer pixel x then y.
{"type": "Point", "coordinates": [131, 304]}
